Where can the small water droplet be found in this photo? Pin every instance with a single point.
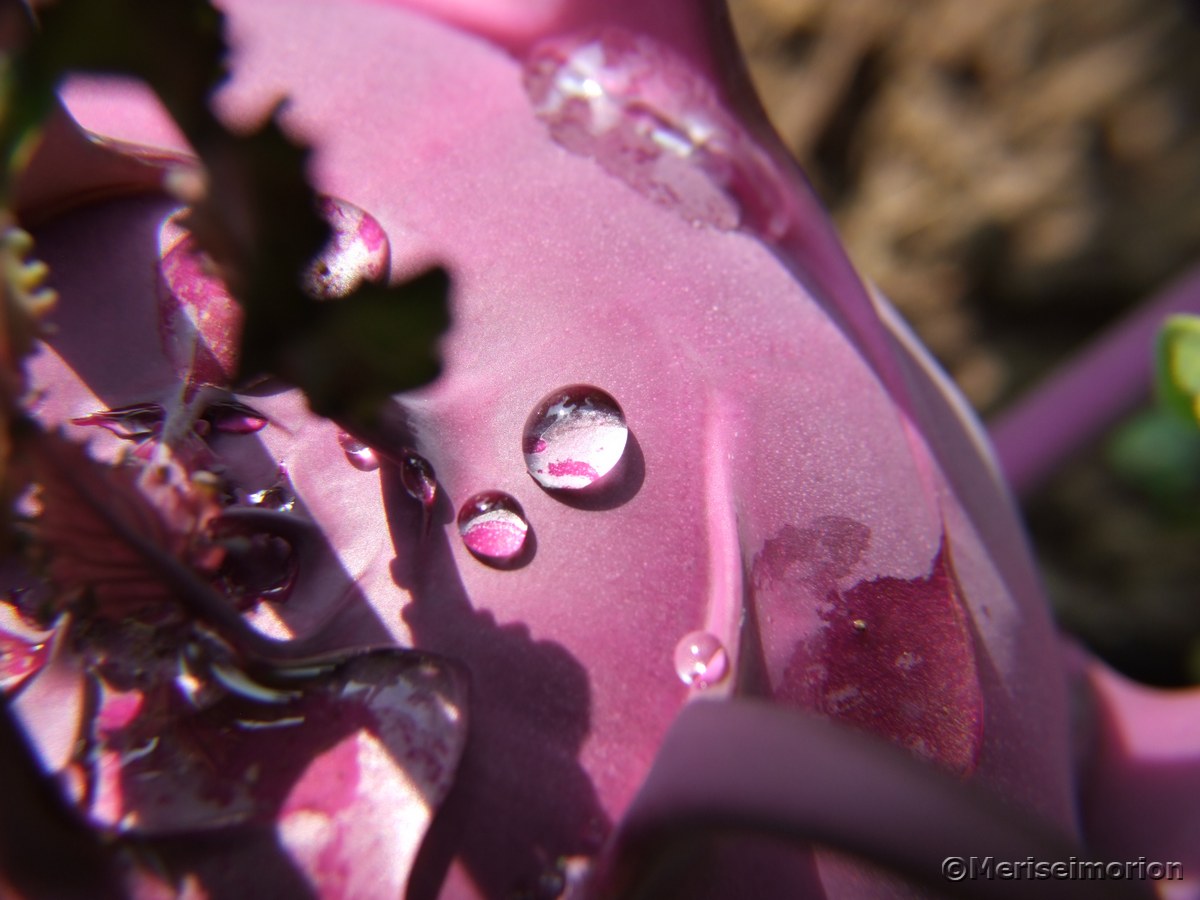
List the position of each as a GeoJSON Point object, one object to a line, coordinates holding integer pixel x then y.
{"type": "Point", "coordinates": [700, 659]}
{"type": "Point", "coordinates": [357, 251]}
{"type": "Point", "coordinates": [360, 455]}
{"type": "Point", "coordinates": [574, 438]}
{"type": "Point", "coordinates": [493, 527]}
{"type": "Point", "coordinates": [644, 114]}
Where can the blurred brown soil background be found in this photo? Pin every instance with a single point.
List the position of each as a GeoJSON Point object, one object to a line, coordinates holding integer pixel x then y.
{"type": "Point", "coordinates": [1015, 175]}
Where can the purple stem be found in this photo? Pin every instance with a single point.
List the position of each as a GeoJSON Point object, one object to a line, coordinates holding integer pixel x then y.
{"type": "Point", "coordinates": [748, 766]}
{"type": "Point", "coordinates": [1076, 404]}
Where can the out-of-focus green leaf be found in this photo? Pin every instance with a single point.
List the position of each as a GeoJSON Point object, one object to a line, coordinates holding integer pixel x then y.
{"type": "Point", "coordinates": [1178, 366]}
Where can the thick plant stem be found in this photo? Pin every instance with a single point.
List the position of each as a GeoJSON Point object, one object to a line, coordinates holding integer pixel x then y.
{"type": "Point", "coordinates": [1061, 416]}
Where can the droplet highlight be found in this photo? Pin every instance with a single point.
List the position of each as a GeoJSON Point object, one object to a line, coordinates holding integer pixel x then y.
{"type": "Point", "coordinates": [700, 659]}
{"type": "Point", "coordinates": [574, 437]}
{"type": "Point", "coordinates": [493, 527]}
{"type": "Point", "coordinates": [359, 454]}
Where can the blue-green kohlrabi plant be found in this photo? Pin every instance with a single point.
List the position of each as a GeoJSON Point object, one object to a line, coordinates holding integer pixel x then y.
{"type": "Point", "coordinates": [687, 576]}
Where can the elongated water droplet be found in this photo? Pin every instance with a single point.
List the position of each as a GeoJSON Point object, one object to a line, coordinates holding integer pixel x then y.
{"type": "Point", "coordinates": [200, 324]}
{"type": "Point", "coordinates": [131, 423]}
{"type": "Point", "coordinates": [700, 659]}
{"type": "Point", "coordinates": [360, 455]}
{"type": "Point", "coordinates": [643, 114]}
{"type": "Point", "coordinates": [493, 527]}
{"type": "Point", "coordinates": [420, 483]}
{"type": "Point", "coordinates": [574, 438]}
{"type": "Point", "coordinates": [358, 251]}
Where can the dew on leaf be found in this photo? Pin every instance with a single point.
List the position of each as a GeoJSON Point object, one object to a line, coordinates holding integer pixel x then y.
{"type": "Point", "coordinates": [700, 659]}
{"type": "Point", "coordinates": [493, 527]}
{"type": "Point", "coordinates": [574, 437]}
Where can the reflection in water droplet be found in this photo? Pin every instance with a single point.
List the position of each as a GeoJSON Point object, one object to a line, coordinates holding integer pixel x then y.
{"type": "Point", "coordinates": [643, 114]}
{"type": "Point", "coordinates": [418, 478]}
{"type": "Point", "coordinates": [574, 437]}
{"type": "Point", "coordinates": [360, 455]}
{"type": "Point", "coordinates": [493, 527]}
{"type": "Point", "coordinates": [357, 251]}
{"type": "Point", "coordinates": [700, 659]}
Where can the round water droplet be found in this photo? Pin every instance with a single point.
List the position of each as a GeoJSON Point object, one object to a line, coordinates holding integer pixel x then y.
{"type": "Point", "coordinates": [574, 438]}
{"type": "Point", "coordinates": [493, 527]}
{"type": "Point", "coordinates": [357, 251]}
{"type": "Point", "coordinates": [700, 659]}
{"type": "Point", "coordinates": [360, 455]}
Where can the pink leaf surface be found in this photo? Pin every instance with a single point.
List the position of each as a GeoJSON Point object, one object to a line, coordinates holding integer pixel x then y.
{"type": "Point", "coordinates": [770, 472]}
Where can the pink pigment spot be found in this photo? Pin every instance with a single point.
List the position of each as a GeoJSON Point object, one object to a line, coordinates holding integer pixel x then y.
{"type": "Point", "coordinates": [571, 467]}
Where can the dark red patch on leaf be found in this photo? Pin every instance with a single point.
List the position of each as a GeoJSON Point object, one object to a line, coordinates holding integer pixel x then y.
{"type": "Point", "coordinates": [896, 657]}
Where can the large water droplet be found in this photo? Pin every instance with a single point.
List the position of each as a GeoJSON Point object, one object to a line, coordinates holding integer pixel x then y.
{"type": "Point", "coordinates": [700, 659]}
{"type": "Point", "coordinates": [493, 527]}
{"type": "Point", "coordinates": [574, 438]}
{"type": "Point", "coordinates": [357, 251]}
{"type": "Point", "coordinates": [360, 455]}
{"type": "Point", "coordinates": [643, 114]}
